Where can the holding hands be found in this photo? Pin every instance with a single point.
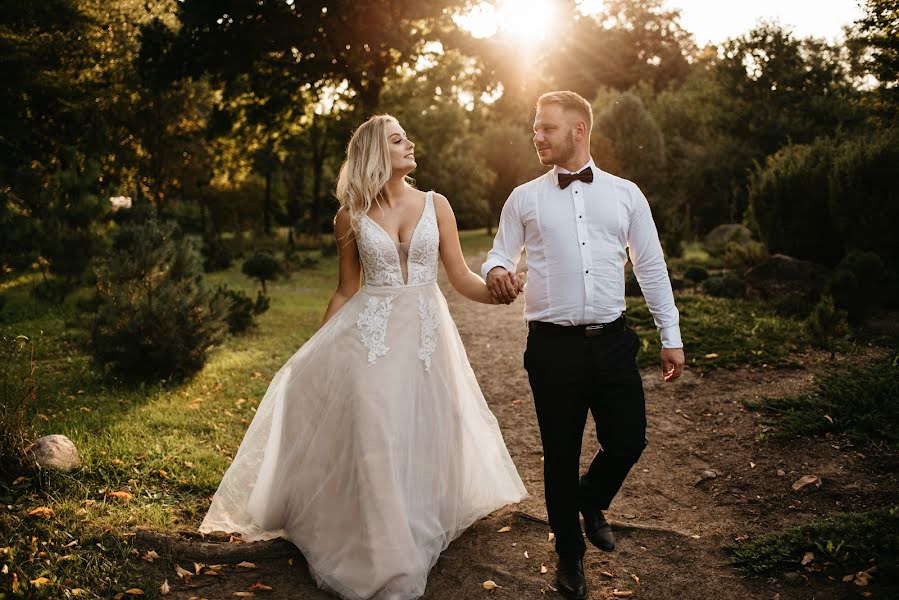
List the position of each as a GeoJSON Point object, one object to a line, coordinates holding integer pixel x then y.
{"type": "Point", "coordinates": [504, 286]}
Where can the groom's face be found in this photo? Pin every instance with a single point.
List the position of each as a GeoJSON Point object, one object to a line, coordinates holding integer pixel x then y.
{"type": "Point", "coordinates": [554, 134]}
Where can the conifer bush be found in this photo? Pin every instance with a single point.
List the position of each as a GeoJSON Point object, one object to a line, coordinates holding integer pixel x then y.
{"type": "Point", "coordinates": [155, 318]}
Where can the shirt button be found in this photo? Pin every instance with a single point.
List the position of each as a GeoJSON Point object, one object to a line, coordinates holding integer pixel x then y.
{"type": "Point", "coordinates": [587, 271]}
{"type": "Point", "coordinates": [583, 243]}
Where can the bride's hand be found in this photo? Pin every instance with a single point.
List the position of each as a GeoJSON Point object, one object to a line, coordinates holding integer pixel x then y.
{"type": "Point", "coordinates": [520, 280]}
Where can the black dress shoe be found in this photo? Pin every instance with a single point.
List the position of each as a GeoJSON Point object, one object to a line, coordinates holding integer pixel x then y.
{"type": "Point", "coordinates": [598, 530]}
{"type": "Point", "coordinates": [570, 577]}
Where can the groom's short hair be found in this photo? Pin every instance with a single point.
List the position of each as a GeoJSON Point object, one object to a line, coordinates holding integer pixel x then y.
{"type": "Point", "coordinates": [569, 101]}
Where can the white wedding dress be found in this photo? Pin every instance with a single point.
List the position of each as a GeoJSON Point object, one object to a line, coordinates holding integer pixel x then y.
{"type": "Point", "coordinates": [373, 447]}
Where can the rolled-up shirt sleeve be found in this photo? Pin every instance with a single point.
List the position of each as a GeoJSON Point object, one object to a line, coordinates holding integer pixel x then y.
{"type": "Point", "coordinates": [509, 240]}
{"type": "Point", "coordinates": [652, 273]}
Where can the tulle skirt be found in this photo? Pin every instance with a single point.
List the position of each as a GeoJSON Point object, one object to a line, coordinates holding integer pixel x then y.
{"type": "Point", "coordinates": [372, 449]}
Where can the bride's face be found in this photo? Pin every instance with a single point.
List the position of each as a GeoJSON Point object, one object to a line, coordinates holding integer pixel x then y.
{"type": "Point", "coordinates": [402, 155]}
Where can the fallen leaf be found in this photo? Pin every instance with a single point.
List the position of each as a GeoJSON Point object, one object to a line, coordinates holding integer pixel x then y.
{"type": "Point", "coordinates": [76, 591]}
{"type": "Point", "coordinates": [163, 473]}
{"type": "Point", "coordinates": [807, 558]}
{"type": "Point", "coordinates": [70, 544]}
{"type": "Point", "coordinates": [261, 586]}
{"type": "Point", "coordinates": [198, 567]}
{"type": "Point", "coordinates": [19, 480]}
{"type": "Point", "coordinates": [41, 511]}
{"type": "Point", "coordinates": [40, 581]}
{"type": "Point", "coordinates": [848, 578]}
{"type": "Point", "coordinates": [150, 556]}
{"type": "Point", "coordinates": [246, 565]}
{"type": "Point", "coordinates": [607, 574]}
{"type": "Point", "coordinates": [635, 578]}
{"type": "Point", "coordinates": [526, 554]}
{"type": "Point", "coordinates": [184, 574]}
{"type": "Point", "coordinates": [622, 593]}
{"type": "Point", "coordinates": [164, 588]}
{"type": "Point", "coordinates": [711, 355]}
{"type": "Point", "coordinates": [243, 594]}
{"type": "Point", "coordinates": [135, 592]}
{"type": "Point", "coordinates": [551, 537]}
{"type": "Point", "coordinates": [751, 465]}
{"type": "Point", "coordinates": [504, 529]}
{"type": "Point", "coordinates": [543, 569]}
{"type": "Point", "coordinates": [121, 495]}
{"type": "Point", "coordinates": [211, 572]}
{"type": "Point", "coordinates": [862, 578]}
{"type": "Point", "coordinates": [490, 585]}
{"type": "Point", "coordinates": [805, 481]}
{"type": "Point", "coordinates": [115, 461]}
{"type": "Point", "coordinates": [119, 596]}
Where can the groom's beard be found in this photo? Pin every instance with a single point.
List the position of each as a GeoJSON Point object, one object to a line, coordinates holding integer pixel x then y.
{"type": "Point", "coordinates": [560, 154]}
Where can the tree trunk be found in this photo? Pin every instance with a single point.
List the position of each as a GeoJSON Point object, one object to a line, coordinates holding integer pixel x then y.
{"type": "Point", "coordinates": [267, 206]}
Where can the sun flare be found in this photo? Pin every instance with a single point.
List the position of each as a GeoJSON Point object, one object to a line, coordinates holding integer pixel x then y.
{"type": "Point", "coordinates": [524, 20]}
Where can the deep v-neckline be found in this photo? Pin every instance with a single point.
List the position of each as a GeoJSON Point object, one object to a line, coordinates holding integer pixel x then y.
{"type": "Point", "coordinates": [396, 244]}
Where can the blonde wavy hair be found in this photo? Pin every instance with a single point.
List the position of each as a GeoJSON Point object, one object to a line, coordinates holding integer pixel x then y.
{"type": "Point", "coordinates": [367, 168]}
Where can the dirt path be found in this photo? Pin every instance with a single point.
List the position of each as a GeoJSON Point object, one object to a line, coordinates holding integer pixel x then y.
{"type": "Point", "coordinates": [696, 424]}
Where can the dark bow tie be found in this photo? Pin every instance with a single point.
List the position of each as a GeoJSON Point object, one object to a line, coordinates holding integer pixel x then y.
{"type": "Point", "coordinates": [565, 179]}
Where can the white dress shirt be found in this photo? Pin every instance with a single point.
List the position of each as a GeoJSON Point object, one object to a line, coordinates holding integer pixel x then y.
{"type": "Point", "coordinates": [576, 241]}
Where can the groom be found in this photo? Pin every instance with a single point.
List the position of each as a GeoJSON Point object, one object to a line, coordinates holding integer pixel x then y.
{"type": "Point", "coordinates": [577, 224]}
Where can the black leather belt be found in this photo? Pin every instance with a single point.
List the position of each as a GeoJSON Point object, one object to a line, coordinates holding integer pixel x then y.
{"type": "Point", "coordinates": [591, 330]}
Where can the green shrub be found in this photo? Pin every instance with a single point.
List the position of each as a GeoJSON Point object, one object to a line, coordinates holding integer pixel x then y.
{"type": "Point", "coordinates": [744, 255]}
{"type": "Point", "coordinates": [864, 198]}
{"type": "Point", "coordinates": [241, 310]}
{"type": "Point", "coordinates": [696, 274]}
{"type": "Point", "coordinates": [217, 254]}
{"type": "Point", "coordinates": [793, 304]}
{"type": "Point", "coordinates": [788, 202]}
{"type": "Point", "coordinates": [263, 267]}
{"type": "Point", "coordinates": [155, 318]}
{"type": "Point", "coordinates": [861, 402]}
{"type": "Point", "coordinates": [843, 542]}
{"type": "Point", "coordinates": [860, 284]}
{"type": "Point", "coordinates": [825, 324]}
{"type": "Point", "coordinates": [727, 285]}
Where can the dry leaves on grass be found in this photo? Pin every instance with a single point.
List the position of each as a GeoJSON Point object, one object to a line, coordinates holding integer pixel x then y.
{"type": "Point", "coordinates": [490, 585]}
{"type": "Point", "coordinates": [505, 529]}
{"type": "Point", "coordinates": [41, 511]}
{"type": "Point", "coordinates": [246, 565]}
{"type": "Point", "coordinates": [121, 495]}
{"type": "Point", "coordinates": [164, 588]}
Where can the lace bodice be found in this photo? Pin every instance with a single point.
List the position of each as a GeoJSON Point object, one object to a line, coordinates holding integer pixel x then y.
{"type": "Point", "coordinates": [381, 259]}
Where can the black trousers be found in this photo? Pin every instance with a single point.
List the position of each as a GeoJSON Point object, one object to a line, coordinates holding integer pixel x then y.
{"type": "Point", "coordinates": [569, 375]}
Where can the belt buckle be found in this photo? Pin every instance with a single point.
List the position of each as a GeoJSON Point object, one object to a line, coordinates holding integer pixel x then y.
{"type": "Point", "coordinates": [593, 330]}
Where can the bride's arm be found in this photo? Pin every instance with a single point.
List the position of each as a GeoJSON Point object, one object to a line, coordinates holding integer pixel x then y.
{"type": "Point", "coordinates": [350, 278]}
{"type": "Point", "coordinates": [462, 279]}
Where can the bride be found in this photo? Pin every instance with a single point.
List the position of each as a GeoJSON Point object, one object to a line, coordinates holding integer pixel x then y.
{"type": "Point", "coordinates": [373, 447]}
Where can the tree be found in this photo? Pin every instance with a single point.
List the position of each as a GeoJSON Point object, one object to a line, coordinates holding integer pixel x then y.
{"type": "Point", "coordinates": [629, 42]}
{"type": "Point", "coordinates": [879, 29]}
{"type": "Point", "coordinates": [637, 142]}
{"type": "Point", "coordinates": [281, 45]}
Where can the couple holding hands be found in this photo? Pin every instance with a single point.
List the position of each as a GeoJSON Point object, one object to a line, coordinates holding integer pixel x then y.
{"type": "Point", "coordinates": [373, 447]}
